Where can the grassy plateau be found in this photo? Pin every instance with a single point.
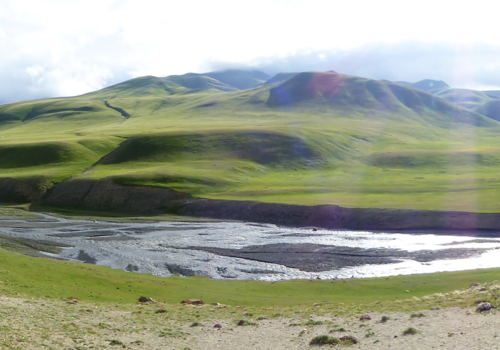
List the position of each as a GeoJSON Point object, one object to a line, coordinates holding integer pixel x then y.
{"type": "Point", "coordinates": [312, 139]}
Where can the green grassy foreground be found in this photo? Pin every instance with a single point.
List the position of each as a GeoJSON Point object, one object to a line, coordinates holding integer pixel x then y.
{"type": "Point", "coordinates": [39, 277]}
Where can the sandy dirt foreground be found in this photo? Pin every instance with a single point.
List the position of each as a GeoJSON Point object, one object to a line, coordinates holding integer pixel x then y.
{"type": "Point", "coordinates": [48, 324]}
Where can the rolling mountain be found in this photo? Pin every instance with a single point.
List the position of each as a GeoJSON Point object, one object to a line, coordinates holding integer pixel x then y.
{"type": "Point", "coordinates": [349, 93]}
{"type": "Point", "coordinates": [307, 138]}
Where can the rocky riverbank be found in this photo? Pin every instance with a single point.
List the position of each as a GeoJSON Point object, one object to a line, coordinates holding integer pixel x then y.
{"type": "Point", "coordinates": [108, 196]}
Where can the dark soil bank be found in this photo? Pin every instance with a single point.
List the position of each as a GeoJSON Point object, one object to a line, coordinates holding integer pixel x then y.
{"type": "Point", "coordinates": [108, 196]}
{"type": "Point", "coordinates": [22, 191]}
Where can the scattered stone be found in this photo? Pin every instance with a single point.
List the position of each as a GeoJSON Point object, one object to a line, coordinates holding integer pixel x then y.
{"type": "Point", "coordinates": [146, 300]}
{"type": "Point", "coordinates": [482, 289]}
{"type": "Point", "coordinates": [483, 306]}
{"type": "Point", "coordinates": [474, 285]}
{"type": "Point", "coordinates": [73, 300]}
{"type": "Point", "coordinates": [316, 304]}
{"type": "Point", "coordinates": [160, 311]}
{"type": "Point", "coordinates": [366, 317]}
{"type": "Point", "coordinates": [192, 302]}
{"type": "Point", "coordinates": [241, 322]}
{"type": "Point", "coordinates": [217, 325]}
{"type": "Point", "coordinates": [407, 291]}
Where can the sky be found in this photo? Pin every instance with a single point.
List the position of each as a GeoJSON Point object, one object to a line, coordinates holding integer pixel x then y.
{"type": "Point", "coordinates": [52, 48]}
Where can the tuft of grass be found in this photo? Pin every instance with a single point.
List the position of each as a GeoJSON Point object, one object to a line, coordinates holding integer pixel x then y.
{"type": "Point", "coordinates": [337, 328]}
{"type": "Point", "coordinates": [324, 340]}
{"type": "Point", "coordinates": [116, 342]}
{"type": "Point", "coordinates": [410, 331]}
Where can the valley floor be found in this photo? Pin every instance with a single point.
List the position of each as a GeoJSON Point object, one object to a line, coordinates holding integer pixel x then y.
{"type": "Point", "coordinates": [48, 324]}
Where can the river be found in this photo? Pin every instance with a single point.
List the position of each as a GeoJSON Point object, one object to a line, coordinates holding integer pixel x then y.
{"type": "Point", "coordinates": [237, 250]}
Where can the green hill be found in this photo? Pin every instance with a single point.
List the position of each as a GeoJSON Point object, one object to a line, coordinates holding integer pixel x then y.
{"type": "Point", "coordinates": [491, 109]}
{"type": "Point", "coordinates": [349, 93]}
{"type": "Point", "coordinates": [313, 138]}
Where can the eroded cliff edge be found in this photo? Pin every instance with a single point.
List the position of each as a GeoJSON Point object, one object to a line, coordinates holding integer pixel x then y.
{"type": "Point", "coordinates": [107, 196]}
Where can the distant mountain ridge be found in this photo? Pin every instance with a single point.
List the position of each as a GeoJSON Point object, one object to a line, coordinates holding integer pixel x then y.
{"type": "Point", "coordinates": [428, 85]}
{"type": "Point", "coordinates": [470, 99]}
{"type": "Point", "coordinates": [240, 79]}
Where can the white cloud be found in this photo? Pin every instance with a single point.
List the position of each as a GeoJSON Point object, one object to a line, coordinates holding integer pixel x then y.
{"type": "Point", "coordinates": [34, 71]}
{"type": "Point", "coordinates": [87, 45]}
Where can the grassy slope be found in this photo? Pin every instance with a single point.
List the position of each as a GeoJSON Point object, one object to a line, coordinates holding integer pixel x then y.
{"type": "Point", "coordinates": [332, 139]}
{"type": "Point", "coordinates": [490, 109]}
{"type": "Point", "coordinates": [35, 277]}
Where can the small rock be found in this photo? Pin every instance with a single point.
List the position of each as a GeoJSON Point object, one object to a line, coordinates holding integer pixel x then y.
{"type": "Point", "coordinates": [316, 304]}
{"type": "Point", "coordinates": [407, 291]}
{"type": "Point", "coordinates": [315, 229]}
{"type": "Point", "coordinates": [241, 322]}
{"type": "Point", "coordinates": [483, 306]}
{"type": "Point", "coordinates": [217, 325]}
{"type": "Point", "coordinates": [146, 300]}
{"type": "Point", "coordinates": [366, 317]}
{"type": "Point", "coordinates": [474, 285]}
{"type": "Point", "coordinates": [482, 289]}
{"type": "Point", "coordinates": [160, 311]}
{"type": "Point", "coordinates": [192, 302]}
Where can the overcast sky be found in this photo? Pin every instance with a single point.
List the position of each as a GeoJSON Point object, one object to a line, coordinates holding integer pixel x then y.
{"type": "Point", "coordinates": [54, 48]}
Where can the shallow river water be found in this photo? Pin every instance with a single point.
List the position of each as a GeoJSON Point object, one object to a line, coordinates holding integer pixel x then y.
{"type": "Point", "coordinates": [235, 250]}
